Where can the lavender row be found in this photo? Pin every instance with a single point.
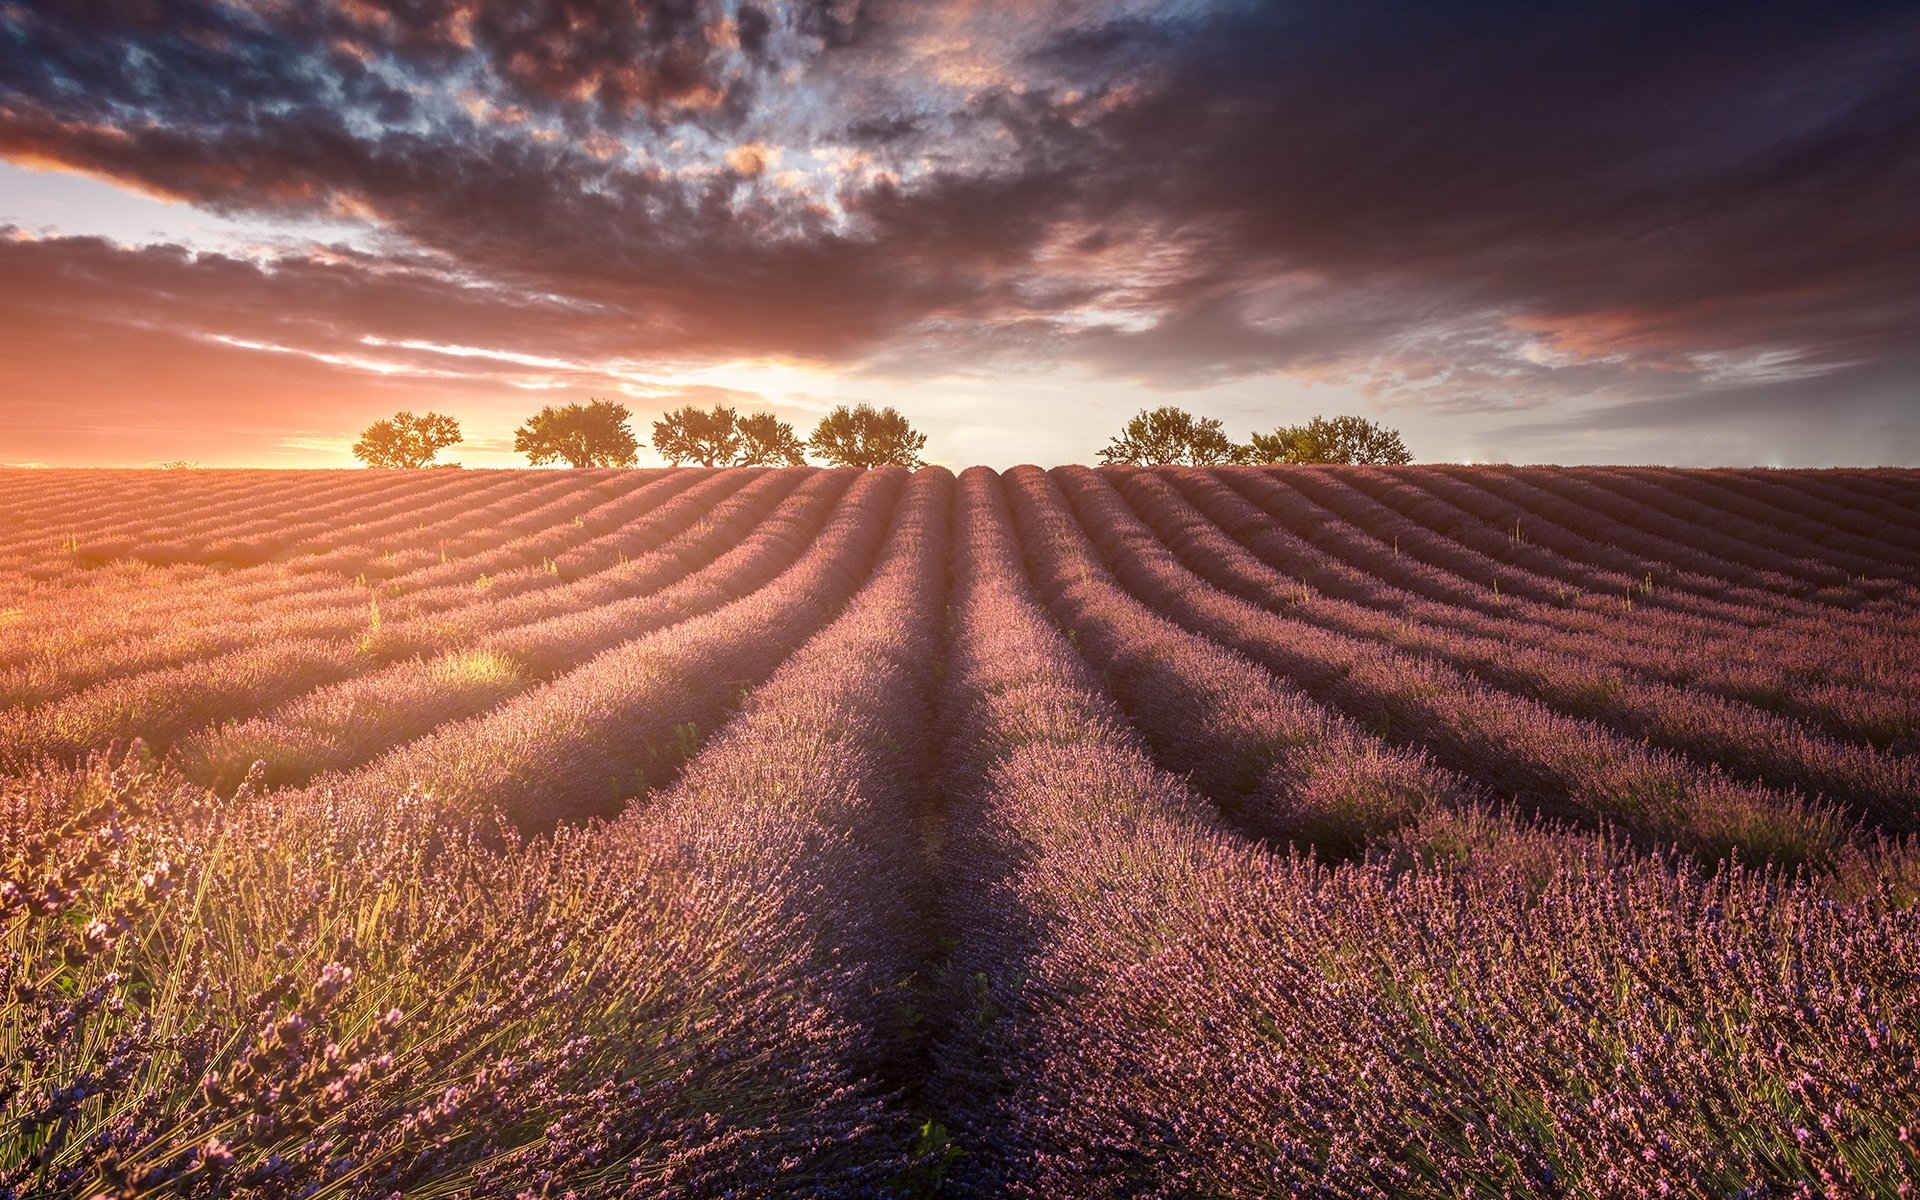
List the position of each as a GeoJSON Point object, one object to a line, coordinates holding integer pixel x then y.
{"type": "Point", "coordinates": [1514, 746]}
{"type": "Point", "coordinates": [741, 546]}
{"type": "Point", "coordinates": [344, 517]}
{"type": "Point", "coordinates": [1500, 563]}
{"type": "Point", "coordinates": [164, 704]}
{"type": "Point", "coordinates": [443, 493]}
{"type": "Point", "coordinates": [1056, 828]}
{"type": "Point", "coordinates": [1760, 619]}
{"type": "Point", "coordinates": [1282, 767]}
{"type": "Point", "coordinates": [679, 537]}
{"type": "Point", "coordinates": [411, 542]}
{"type": "Point", "coordinates": [1428, 544]}
{"type": "Point", "coordinates": [1803, 677]}
{"type": "Point", "coordinates": [44, 500]}
{"type": "Point", "coordinates": [1807, 510]}
{"type": "Point", "coordinates": [548, 535]}
{"type": "Point", "coordinates": [1266, 1026]}
{"type": "Point", "coordinates": [1712, 590]}
{"type": "Point", "coordinates": [1747, 553]}
{"type": "Point", "coordinates": [51, 503]}
{"type": "Point", "coordinates": [1645, 614]}
{"type": "Point", "coordinates": [673, 1005]}
{"type": "Point", "coordinates": [1746, 741]}
{"type": "Point", "coordinates": [1890, 490]}
{"type": "Point", "coordinates": [627, 719]}
{"type": "Point", "coordinates": [1623, 1030]}
{"type": "Point", "coordinates": [805, 814]}
{"type": "Point", "coordinates": [255, 538]}
{"type": "Point", "coordinates": [1688, 502]}
{"type": "Point", "coordinates": [1787, 574]}
{"type": "Point", "coordinates": [1633, 526]}
{"type": "Point", "coordinates": [200, 622]}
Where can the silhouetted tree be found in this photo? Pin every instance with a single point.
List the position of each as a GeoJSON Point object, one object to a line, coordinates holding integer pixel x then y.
{"type": "Point", "coordinates": [865, 437]}
{"type": "Point", "coordinates": [711, 439]}
{"type": "Point", "coordinates": [1169, 435]}
{"type": "Point", "coordinates": [767, 441]}
{"type": "Point", "coordinates": [585, 435]}
{"type": "Point", "coordinates": [1328, 440]}
{"type": "Point", "coordinates": [723, 438]}
{"type": "Point", "coordinates": [404, 440]}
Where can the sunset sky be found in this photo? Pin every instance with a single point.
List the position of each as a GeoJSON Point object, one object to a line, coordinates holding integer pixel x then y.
{"type": "Point", "coordinates": [235, 233]}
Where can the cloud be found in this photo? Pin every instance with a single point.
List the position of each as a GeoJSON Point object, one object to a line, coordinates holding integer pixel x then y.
{"type": "Point", "coordinates": [1471, 207]}
{"type": "Point", "coordinates": [1634, 182]}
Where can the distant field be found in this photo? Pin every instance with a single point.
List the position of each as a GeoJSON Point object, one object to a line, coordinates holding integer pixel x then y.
{"type": "Point", "coordinates": [1421, 831]}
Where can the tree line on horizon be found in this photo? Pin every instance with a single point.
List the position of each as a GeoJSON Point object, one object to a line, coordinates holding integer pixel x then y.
{"type": "Point", "coordinates": [599, 434]}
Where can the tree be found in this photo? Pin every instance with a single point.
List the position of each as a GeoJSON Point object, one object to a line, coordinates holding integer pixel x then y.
{"type": "Point", "coordinates": [767, 441]}
{"type": "Point", "coordinates": [585, 435]}
{"type": "Point", "coordinates": [1329, 440]}
{"type": "Point", "coordinates": [865, 437]}
{"type": "Point", "coordinates": [1169, 435]}
{"type": "Point", "coordinates": [404, 440]}
{"type": "Point", "coordinates": [723, 438]}
{"type": "Point", "coordinates": [711, 439]}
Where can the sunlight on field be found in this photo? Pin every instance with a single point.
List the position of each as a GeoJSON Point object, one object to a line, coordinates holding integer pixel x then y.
{"type": "Point", "coordinates": [473, 666]}
{"type": "Point", "coordinates": [865, 832]}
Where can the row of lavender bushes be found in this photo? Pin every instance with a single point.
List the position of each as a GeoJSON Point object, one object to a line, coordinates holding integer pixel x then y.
{"type": "Point", "coordinates": [474, 660]}
{"type": "Point", "coordinates": [1144, 1004]}
{"type": "Point", "coordinates": [1559, 766]}
{"type": "Point", "coordinates": [1742, 738]}
{"type": "Point", "coordinates": [1808, 675]}
{"type": "Point", "coordinates": [286, 995]}
{"type": "Point", "coordinates": [489, 639]}
{"type": "Point", "coordinates": [133, 616]}
{"type": "Point", "coordinates": [171, 623]}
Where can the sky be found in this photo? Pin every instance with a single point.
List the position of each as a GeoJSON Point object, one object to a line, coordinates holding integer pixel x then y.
{"type": "Point", "coordinates": [237, 233]}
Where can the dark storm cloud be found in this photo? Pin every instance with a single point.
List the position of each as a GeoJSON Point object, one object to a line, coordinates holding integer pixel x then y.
{"type": "Point", "coordinates": [1478, 204]}
{"type": "Point", "coordinates": [211, 64]}
{"type": "Point", "coordinates": [1862, 414]}
{"type": "Point", "coordinates": [318, 303]}
{"type": "Point", "coordinates": [242, 116]}
{"type": "Point", "coordinates": [1651, 181]}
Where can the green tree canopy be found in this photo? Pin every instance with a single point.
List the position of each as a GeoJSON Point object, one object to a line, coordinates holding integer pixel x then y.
{"type": "Point", "coordinates": [1169, 435]}
{"type": "Point", "coordinates": [767, 441]}
{"type": "Point", "coordinates": [710, 438]}
{"type": "Point", "coordinates": [1328, 440]}
{"type": "Point", "coordinates": [721, 437]}
{"type": "Point", "coordinates": [406, 441]}
{"type": "Point", "coordinates": [584, 435]}
{"type": "Point", "coordinates": [863, 436]}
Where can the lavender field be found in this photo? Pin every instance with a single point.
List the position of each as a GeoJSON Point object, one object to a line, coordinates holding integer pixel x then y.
{"type": "Point", "coordinates": [1337, 832]}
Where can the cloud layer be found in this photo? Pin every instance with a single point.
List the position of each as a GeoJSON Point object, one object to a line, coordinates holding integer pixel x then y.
{"type": "Point", "coordinates": [1470, 208]}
